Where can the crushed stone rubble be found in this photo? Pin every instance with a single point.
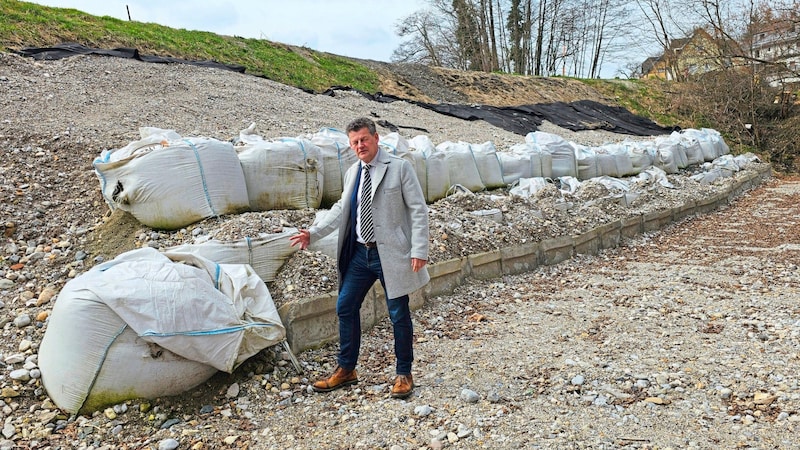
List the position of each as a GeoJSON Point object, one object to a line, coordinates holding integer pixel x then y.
{"type": "Point", "coordinates": [685, 338]}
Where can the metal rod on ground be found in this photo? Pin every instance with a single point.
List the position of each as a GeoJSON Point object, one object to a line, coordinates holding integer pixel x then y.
{"type": "Point", "coordinates": [295, 362]}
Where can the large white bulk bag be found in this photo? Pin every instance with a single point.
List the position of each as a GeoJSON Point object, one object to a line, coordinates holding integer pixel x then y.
{"type": "Point", "coordinates": [640, 154]}
{"type": "Point", "coordinates": [673, 145]}
{"type": "Point", "coordinates": [564, 161]}
{"type": "Point", "coordinates": [692, 147]}
{"type": "Point", "coordinates": [461, 165]}
{"type": "Point", "coordinates": [488, 164]}
{"type": "Point", "coordinates": [526, 161]}
{"type": "Point", "coordinates": [717, 140]}
{"type": "Point", "coordinates": [614, 160]}
{"type": "Point", "coordinates": [282, 174]}
{"type": "Point", "coordinates": [420, 146]}
{"type": "Point", "coordinates": [664, 159]}
{"type": "Point", "coordinates": [394, 143]}
{"type": "Point", "coordinates": [264, 253]}
{"type": "Point", "coordinates": [586, 158]}
{"type": "Point", "coordinates": [148, 324]}
{"type": "Point", "coordinates": [515, 165]}
{"type": "Point", "coordinates": [707, 147]}
{"type": "Point", "coordinates": [337, 157]}
{"type": "Point", "coordinates": [431, 168]}
{"type": "Point", "coordinates": [167, 182]}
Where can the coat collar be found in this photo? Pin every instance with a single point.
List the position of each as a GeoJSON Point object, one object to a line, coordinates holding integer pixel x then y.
{"type": "Point", "coordinates": [379, 166]}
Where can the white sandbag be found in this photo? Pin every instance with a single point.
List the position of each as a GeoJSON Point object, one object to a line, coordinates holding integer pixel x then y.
{"type": "Point", "coordinates": [562, 152]}
{"type": "Point", "coordinates": [526, 161]}
{"type": "Point", "coordinates": [265, 254]}
{"type": "Point", "coordinates": [716, 139]}
{"type": "Point", "coordinates": [707, 147]}
{"type": "Point", "coordinates": [745, 159]}
{"type": "Point", "coordinates": [461, 165]}
{"type": "Point", "coordinates": [708, 177]}
{"type": "Point", "coordinates": [675, 147]}
{"type": "Point", "coordinates": [588, 165]}
{"type": "Point", "coordinates": [614, 160]}
{"type": "Point", "coordinates": [168, 182]}
{"type": "Point", "coordinates": [640, 154]}
{"type": "Point", "coordinates": [282, 174]}
{"type": "Point", "coordinates": [148, 324]}
{"type": "Point", "coordinates": [337, 157]}
{"type": "Point", "coordinates": [653, 177]}
{"type": "Point", "coordinates": [488, 164]}
{"type": "Point", "coordinates": [419, 146]}
{"type": "Point", "coordinates": [726, 164]}
{"type": "Point", "coordinates": [431, 168]}
{"type": "Point", "coordinates": [90, 359]}
{"type": "Point", "coordinates": [613, 185]}
{"type": "Point", "coordinates": [692, 147]}
{"type": "Point", "coordinates": [394, 143]}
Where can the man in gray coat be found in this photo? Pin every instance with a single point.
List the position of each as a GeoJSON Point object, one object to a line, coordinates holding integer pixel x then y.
{"type": "Point", "coordinates": [383, 235]}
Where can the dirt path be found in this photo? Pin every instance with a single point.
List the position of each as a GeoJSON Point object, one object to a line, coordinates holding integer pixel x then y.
{"type": "Point", "coordinates": [684, 338]}
{"type": "Point", "coordinates": [688, 337]}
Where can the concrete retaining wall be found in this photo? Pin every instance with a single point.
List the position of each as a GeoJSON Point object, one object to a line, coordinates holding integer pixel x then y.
{"type": "Point", "coordinates": [312, 322]}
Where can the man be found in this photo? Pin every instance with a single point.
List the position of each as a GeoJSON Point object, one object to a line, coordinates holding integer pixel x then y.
{"type": "Point", "coordinates": [383, 235]}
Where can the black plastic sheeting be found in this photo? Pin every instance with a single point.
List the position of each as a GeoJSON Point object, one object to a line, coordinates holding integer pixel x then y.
{"type": "Point", "coordinates": [71, 49]}
{"type": "Point", "coordinates": [576, 116]}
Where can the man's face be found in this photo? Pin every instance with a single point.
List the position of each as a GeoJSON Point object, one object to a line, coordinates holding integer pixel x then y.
{"type": "Point", "coordinates": [364, 144]}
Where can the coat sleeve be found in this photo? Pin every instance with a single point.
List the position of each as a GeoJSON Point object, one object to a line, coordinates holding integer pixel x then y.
{"type": "Point", "coordinates": [414, 201]}
{"type": "Point", "coordinates": [331, 221]}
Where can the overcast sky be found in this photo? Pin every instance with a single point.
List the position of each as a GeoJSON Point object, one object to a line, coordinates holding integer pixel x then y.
{"type": "Point", "coordinates": [354, 28]}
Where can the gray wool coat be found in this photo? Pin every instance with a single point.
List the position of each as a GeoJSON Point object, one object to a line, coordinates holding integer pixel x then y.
{"type": "Point", "coordinates": [400, 218]}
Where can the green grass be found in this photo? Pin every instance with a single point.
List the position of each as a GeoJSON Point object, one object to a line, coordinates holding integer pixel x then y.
{"type": "Point", "coordinates": [645, 98]}
{"type": "Point", "coordinates": [30, 25]}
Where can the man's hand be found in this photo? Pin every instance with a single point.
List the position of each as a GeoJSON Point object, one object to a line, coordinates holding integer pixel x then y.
{"type": "Point", "coordinates": [302, 238]}
{"type": "Point", "coordinates": [417, 264]}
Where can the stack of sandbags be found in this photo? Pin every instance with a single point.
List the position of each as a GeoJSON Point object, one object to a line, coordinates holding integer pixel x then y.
{"type": "Point", "coordinates": [167, 182]}
{"type": "Point", "coordinates": [150, 324]}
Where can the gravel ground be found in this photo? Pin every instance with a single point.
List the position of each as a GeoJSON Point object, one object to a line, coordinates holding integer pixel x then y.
{"type": "Point", "coordinates": [683, 338]}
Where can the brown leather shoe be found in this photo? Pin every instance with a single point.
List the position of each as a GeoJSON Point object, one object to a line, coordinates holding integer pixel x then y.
{"type": "Point", "coordinates": [340, 378]}
{"type": "Point", "coordinates": [403, 386]}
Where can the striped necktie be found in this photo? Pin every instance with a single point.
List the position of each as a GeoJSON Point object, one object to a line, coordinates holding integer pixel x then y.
{"type": "Point", "coordinates": [365, 207]}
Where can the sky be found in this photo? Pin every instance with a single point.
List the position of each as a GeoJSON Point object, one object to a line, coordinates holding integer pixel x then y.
{"type": "Point", "coordinates": [354, 28]}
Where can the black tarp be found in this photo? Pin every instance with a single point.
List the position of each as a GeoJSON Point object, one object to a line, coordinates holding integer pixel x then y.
{"type": "Point", "coordinates": [576, 116]}
{"type": "Point", "coordinates": [581, 115]}
{"type": "Point", "coordinates": [71, 49]}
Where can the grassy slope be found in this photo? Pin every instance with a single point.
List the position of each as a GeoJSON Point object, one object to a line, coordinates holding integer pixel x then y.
{"type": "Point", "coordinates": [30, 25]}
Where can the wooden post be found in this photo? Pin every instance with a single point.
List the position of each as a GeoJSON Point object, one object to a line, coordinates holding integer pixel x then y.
{"type": "Point", "coordinates": [128, 8]}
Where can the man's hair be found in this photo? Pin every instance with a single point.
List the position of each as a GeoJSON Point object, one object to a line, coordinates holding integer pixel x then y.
{"type": "Point", "coordinates": [361, 123]}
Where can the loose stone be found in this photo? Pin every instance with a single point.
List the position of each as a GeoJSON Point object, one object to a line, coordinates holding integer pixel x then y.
{"type": "Point", "coordinates": [168, 444]}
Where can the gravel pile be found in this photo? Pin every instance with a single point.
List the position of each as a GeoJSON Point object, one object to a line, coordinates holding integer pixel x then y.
{"type": "Point", "coordinates": [679, 339]}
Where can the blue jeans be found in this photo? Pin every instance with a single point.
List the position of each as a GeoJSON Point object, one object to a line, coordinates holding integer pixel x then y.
{"type": "Point", "coordinates": [363, 270]}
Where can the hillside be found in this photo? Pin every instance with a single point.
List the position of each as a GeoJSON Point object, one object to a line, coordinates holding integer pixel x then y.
{"type": "Point", "coordinates": [28, 25]}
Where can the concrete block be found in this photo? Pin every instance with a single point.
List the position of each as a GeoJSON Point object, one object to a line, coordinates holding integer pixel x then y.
{"type": "Point", "coordinates": [631, 226]}
{"type": "Point", "coordinates": [445, 277]}
{"type": "Point", "coordinates": [486, 265]}
{"type": "Point", "coordinates": [557, 250]}
{"type": "Point", "coordinates": [610, 234]}
{"type": "Point", "coordinates": [683, 211]}
{"type": "Point", "coordinates": [310, 322]}
{"type": "Point", "coordinates": [587, 243]}
{"type": "Point", "coordinates": [521, 258]}
{"type": "Point", "coordinates": [657, 220]}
